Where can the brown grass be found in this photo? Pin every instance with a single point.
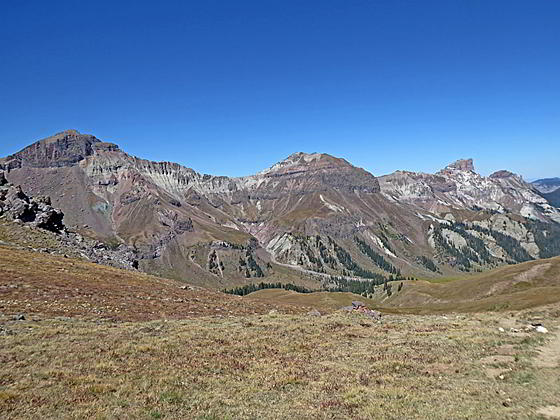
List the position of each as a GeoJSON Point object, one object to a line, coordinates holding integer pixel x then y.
{"type": "Point", "coordinates": [515, 287]}
{"type": "Point", "coordinates": [33, 282]}
{"type": "Point", "coordinates": [272, 367]}
{"type": "Point", "coordinates": [134, 346]}
{"type": "Point", "coordinates": [323, 301]}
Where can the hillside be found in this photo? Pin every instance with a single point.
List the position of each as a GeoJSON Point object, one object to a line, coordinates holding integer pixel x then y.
{"type": "Point", "coordinates": [73, 288]}
{"type": "Point", "coordinates": [506, 288]}
{"type": "Point", "coordinates": [547, 185]}
{"type": "Point", "coordinates": [553, 197]}
{"type": "Point", "coordinates": [513, 287]}
{"type": "Point", "coordinates": [83, 340]}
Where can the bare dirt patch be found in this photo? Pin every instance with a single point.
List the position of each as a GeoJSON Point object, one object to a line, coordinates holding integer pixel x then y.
{"type": "Point", "coordinates": [549, 354]}
{"type": "Point", "coordinates": [551, 411]}
{"type": "Point", "coordinates": [536, 271]}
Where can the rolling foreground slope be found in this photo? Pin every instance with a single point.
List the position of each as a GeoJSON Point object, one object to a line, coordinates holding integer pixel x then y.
{"type": "Point", "coordinates": [82, 340]}
{"type": "Point", "coordinates": [512, 287]}
{"type": "Point", "coordinates": [37, 283]}
{"type": "Point", "coordinates": [79, 340]}
{"type": "Point", "coordinates": [309, 213]}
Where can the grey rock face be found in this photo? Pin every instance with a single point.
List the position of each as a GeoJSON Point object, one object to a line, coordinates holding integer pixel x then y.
{"type": "Point", "coordinates": [461, 165]}
{"type": "Point", "coordinates": [38, 212]}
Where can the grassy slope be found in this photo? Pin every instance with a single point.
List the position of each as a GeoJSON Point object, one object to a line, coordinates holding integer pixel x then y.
{"type": "Point", "coordinates": [273, 367]}
{"type": "Point", "coordinates": [323, 301]}
{"type": "Point", "coordinates": [511, 287]}
{"type": "Point", "coordinates": [33, 282]}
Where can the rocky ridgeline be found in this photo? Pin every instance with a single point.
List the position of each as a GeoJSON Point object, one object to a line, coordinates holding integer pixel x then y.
{"type": "Point", "coordinates": [38, 212]}
{"type": "Point", "coordinates": [410, 220]}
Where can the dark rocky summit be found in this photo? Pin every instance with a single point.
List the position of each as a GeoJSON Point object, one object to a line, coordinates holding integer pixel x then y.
{"type": "Point", "coordinates": [502, 174]}
{"type": "Point", "coordinates": [63, 149]}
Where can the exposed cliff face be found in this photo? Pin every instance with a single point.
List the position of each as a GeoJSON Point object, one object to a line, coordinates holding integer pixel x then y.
{"type": "Point", "coordinates": [63, 149]}
{"type": "Point", "coordinates": [465, 165]}
{"type": "Point", "coordinates": [314, 211]}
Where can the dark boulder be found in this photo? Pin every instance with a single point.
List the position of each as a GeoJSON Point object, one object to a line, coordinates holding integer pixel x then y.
{"type": "Point", "coordinates": [37, 212]}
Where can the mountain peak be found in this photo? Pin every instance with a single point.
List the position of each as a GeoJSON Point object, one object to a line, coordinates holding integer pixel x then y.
{"type": "Point", "coordinates": [465, 165]}
{"type": "Point", "coordinates": [311, 172]}
{"type": "Point", "coordinates": [61, 149]}
{"type": "Point", "coordinates": [502, 174]}
{"type": "Point", "coordinates": [301, 161]}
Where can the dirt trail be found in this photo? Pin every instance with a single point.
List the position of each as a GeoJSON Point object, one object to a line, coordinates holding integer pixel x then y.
{"type": "Point", "coordinates": [551, 411]}
{"type": "Point", "coordinates": [549, 354]}
{"type": "Point", "coordinates": [549, 358]}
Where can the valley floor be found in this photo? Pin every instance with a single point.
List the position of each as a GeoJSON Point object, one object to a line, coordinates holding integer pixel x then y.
{"type": "Point", "coordinates": [282, 366]}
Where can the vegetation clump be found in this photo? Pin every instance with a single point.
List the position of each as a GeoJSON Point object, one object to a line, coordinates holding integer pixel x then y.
{"type": "Point", "coordinates": [250, 288]}
{"type": "Point", "coordinates": [378, 259]}
{"type": "Point", "coordinates": [428, 263]}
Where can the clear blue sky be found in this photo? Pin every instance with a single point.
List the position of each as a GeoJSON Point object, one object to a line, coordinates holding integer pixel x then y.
{"type": "Point", "coordinates": [231, 87]}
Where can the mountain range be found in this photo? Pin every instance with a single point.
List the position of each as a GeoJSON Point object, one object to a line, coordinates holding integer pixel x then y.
{"type": "Point", "coordinates": [312, 217]}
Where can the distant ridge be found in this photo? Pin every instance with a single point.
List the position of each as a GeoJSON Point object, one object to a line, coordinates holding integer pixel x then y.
{"type": "Point", "coordinates": [307, 219]}
{"type": "Point", "coordinates": [547, 185]}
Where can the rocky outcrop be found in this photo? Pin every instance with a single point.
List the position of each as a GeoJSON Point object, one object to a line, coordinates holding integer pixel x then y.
{"type": "Point", "coordinates": [36, 211]}
{"type": "Point", "coordinates": [461, 165]}
{"type": "Point", "coordinates": [459, 187]}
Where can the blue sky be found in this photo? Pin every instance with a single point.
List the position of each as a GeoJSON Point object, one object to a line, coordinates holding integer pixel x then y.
{"type": "Point", "coordinates": [231, 87]}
